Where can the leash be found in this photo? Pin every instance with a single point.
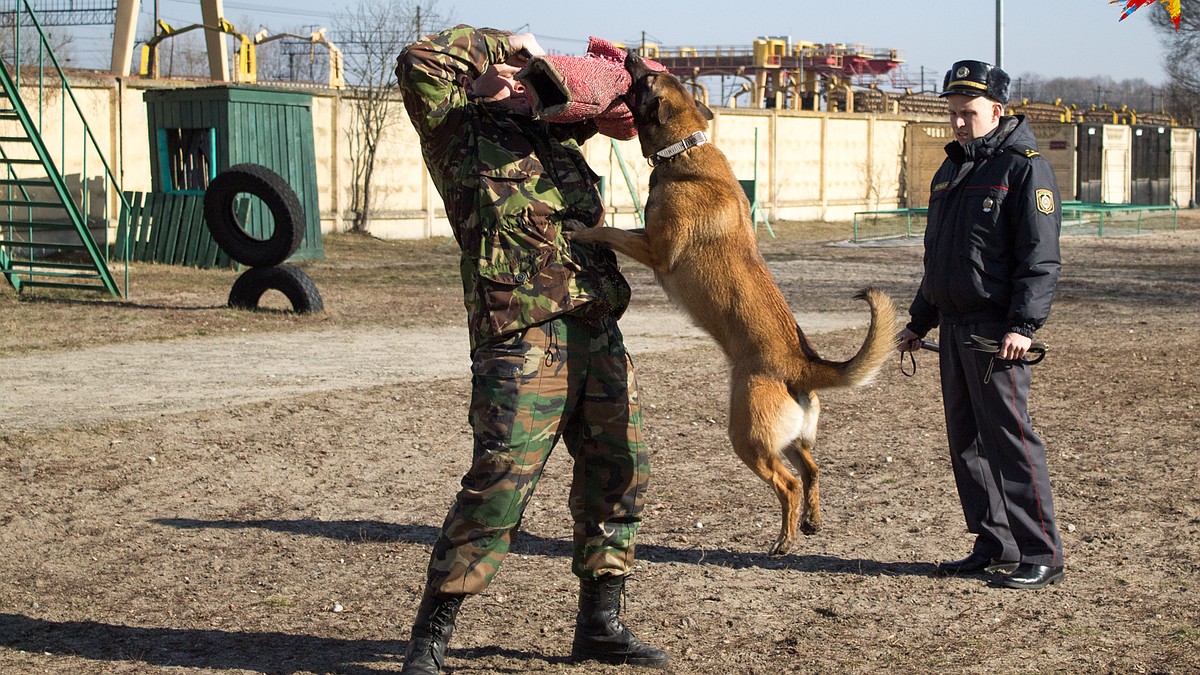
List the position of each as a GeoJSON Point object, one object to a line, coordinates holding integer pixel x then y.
{"type": "Point", "coordinates": [979, 344]}
{"type": "Point", "coordinates": [925, 344]}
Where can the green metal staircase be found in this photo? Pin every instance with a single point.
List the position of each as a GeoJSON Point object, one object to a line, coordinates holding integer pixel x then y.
{"type": "Point", "coordinates": [46, 225]}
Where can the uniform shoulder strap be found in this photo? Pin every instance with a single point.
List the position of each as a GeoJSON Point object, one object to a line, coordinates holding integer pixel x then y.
{"type": "Point", "coordinates": [1023, 150]}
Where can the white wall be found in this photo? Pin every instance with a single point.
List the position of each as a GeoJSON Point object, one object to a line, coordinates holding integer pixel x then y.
{"type": "Point", "coordinates": [809, 165]}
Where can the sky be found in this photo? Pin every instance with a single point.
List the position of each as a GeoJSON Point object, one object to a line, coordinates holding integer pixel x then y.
{"type": "Point", "coordinates": [1049, 38]}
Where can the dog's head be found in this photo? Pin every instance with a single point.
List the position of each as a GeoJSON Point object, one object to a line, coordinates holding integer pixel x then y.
{"type": "Point", "coordinates": [662, 108]}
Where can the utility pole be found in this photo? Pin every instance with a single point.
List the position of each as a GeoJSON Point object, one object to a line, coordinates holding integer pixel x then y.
{"type": "Point", "coordinates": [152, 67]}
{"type": "Point", "coordinates": [999, 34]}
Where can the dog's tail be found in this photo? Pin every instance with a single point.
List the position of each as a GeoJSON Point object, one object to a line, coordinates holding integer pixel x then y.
{"type": "Point", "coordinates": [876, 349]}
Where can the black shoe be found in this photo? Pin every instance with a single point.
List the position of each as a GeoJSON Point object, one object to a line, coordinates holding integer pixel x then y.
{"type": "Point", "coordinates": [431, 633]}
{"type": "Point", "coordinates": [1032, 577]}
{"type": "Point", "coordinates": [599, 633]}
{"type": "Point", "coordinates": [974, 564]}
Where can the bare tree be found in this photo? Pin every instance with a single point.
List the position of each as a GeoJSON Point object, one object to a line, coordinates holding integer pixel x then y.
{"type": "Point", "coordinates": [184, 55]}
{"type": "Point", "coordinates": [1182, 48]}
{"type": "Point", "coordinates": [1084, 92]}
{"type": "Point", "coordinates": [17, 28]}
{"type": "Point", "coordinates": [371, 36]}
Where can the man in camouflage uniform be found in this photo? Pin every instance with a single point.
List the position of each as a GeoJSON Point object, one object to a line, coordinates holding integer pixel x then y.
{"type": "Point", "coordinates": [548, 361]}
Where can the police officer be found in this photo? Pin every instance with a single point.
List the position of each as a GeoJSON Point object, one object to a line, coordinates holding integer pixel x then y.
{"type": "Point", "coordinates": [991, 267]}
{"type": "Point", "coordinates": [548, 360]}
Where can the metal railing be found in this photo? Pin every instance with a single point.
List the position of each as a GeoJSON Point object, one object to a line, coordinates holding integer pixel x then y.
{"type": "Point", "coordinates": [38, 77]}
{"type": "Point", "coordinates": [1078, 218]}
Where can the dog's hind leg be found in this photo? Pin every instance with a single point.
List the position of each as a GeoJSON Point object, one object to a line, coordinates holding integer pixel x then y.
{"type": "Point", "coordinates": [799, 453]}
{"type": "Point", "coordinates": [763, 417]}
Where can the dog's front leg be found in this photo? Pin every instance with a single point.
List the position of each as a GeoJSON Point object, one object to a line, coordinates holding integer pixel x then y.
{"type": "Point", "coordinates": [633, 243]}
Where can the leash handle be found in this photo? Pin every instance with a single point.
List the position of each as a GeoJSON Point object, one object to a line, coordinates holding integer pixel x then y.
{"type": "Point", "coordinates": [989, 346]}
{"type": "Point", "coordinates": [1038, 350]}
{"type": "Point", "coordinates": [929, 345]}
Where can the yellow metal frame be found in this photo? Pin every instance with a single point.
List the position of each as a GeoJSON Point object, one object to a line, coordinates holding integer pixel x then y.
{"type": "Point", "coordinates": [337, 76]}
{"type": "Point", "coordinates": [247, 55]}
{"type": "Point", "coordinates": [247, 64]}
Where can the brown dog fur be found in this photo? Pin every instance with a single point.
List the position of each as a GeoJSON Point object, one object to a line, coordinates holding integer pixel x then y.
{"type": "Point", "coordinates": [700, 242]}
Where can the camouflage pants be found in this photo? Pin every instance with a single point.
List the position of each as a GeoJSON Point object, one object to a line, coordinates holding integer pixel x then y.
{"type": "Point", "coordinates": [568, 379]}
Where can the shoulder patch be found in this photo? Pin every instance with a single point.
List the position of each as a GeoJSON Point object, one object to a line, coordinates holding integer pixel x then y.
{"type": "Point", "coordinates": [941, 186]}
{"type": "Point", "coordinates": [1030, 152]}
{"type": "Point", "coordinates": [1044, 200]}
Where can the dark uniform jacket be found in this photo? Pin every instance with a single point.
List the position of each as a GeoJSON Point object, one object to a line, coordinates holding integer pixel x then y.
{"type": "Point", "coordinates": [510, 184]}
{"type": "Point", "coordinates": [991, 242]}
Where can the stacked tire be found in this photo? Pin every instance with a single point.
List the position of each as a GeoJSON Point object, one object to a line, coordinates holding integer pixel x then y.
{"type": "Point", "coordinates": [264, 256]}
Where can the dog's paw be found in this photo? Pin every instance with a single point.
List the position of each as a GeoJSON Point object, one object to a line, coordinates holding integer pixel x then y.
{"type": "Point", "coordinates": [583, 234]}
{"type": "Point", "coordinates": [781, 547]}
{"type": "Point", "coordinates": [810, 525]}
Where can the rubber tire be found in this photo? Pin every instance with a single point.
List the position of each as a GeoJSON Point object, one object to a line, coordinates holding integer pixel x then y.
{"type": "Point", "coordinates": [290, 280]}
{"type": "Point", "coordinates": [279, 198]}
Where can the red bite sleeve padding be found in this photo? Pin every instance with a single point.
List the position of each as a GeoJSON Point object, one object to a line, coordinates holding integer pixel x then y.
{"type": "Point", "coordinates": [574, 88]}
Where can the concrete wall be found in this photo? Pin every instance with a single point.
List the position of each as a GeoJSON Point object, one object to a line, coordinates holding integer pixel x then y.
{"type": "Point", "coordinates": [1117, 158]}
{"type": "Point", "coordinates": [1183, 168]}
{"type": "Point", "coordinates": [809, 165]}
{"type": "Point", "coordinates": [1058, 143]}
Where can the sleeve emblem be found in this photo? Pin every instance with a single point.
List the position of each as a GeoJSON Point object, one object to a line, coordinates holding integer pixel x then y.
{"type": "Point", "coordinates": [1045, 201]}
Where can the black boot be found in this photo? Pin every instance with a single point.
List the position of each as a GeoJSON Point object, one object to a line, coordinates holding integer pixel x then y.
{"type": "Point", "coordinates": [599, 633]}
{"type": "Point", "coordinates": [430, 634]}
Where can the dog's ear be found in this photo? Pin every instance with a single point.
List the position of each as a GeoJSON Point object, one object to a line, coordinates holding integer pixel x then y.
{"type": "Point", "coordinates": [708, 114]}
{"type": "Point", "coordinates": [662, 109]}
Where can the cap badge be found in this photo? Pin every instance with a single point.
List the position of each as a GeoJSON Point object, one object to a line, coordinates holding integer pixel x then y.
{"type": "Point", "coordinates": [962, 72]}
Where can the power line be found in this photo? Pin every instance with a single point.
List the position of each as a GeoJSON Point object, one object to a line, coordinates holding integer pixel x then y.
{"type": "Point", "coordinates": [263, 9]}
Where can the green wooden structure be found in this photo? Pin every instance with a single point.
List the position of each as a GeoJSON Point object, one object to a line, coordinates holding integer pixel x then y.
{"type": "Point", "coordinates": [169, 228]}
{"type": "Point", "coordinates": [197, 132]}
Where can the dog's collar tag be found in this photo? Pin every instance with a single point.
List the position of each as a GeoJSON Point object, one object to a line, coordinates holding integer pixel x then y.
{"type": "Point", "coordinates": [698, 138]}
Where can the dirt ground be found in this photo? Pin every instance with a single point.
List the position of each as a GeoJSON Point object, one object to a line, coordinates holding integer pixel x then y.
{"type": "Point", "coordinates": [186, 488]}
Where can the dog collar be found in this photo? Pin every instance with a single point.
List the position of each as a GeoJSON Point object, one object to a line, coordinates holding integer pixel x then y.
{"type": "Point", "coordinates": [698, 138]}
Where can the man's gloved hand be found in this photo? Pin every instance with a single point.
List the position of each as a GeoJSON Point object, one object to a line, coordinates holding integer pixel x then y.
{"type": "Point", "coordinates": [524, 47]}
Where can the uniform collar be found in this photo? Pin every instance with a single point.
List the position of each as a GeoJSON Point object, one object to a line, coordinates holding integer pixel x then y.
{"type": "Point", "coordinates": [986, 146]}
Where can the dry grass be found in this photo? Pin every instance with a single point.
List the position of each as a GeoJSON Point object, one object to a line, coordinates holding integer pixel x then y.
{"type": "Point", "coordinates": [363, 281]}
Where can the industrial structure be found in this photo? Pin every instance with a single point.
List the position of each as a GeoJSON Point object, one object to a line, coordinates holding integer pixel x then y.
{"type": "Point", "coordinates": [779, 73]}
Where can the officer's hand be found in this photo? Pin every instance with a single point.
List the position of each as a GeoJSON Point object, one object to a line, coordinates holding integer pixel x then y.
{"type": "Point", "coordinates": [1014, 346]}
{"type": "Point", "coordinates": [524, 46]}
{"type": "Point", "coordinates": [907, 341]}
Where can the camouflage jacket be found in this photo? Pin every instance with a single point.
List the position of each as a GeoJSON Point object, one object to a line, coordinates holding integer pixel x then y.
{"type": "Point", "coordinates": [510, 184]}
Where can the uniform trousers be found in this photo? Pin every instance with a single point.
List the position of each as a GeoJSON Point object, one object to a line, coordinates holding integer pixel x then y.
{"type": "Point", "coordinates": [999, 462]}
{"type": "Point", "coordinates": [571, 379]}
